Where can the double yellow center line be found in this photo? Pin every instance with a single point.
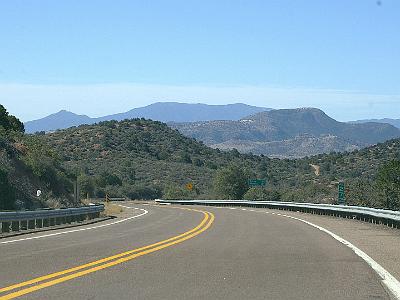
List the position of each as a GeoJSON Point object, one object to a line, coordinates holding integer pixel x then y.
{"type": "Point", "coordinates": [42, 282]}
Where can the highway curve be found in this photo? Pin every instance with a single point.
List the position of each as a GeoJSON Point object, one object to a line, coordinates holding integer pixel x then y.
{"type": "Point", "coordinates": [175, 252]}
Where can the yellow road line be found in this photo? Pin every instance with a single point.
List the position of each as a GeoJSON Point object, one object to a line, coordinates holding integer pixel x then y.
{"type": "Point", "coordinates": [208, 218]}
{"type": "Point", "coordinates": [103, 260]}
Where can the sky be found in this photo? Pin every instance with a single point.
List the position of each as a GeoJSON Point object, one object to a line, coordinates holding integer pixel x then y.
{"type": "Point", "coordinates": [103, 57]}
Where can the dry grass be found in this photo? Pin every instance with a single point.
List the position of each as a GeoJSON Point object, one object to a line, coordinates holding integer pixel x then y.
{"type": "Point", "coordinates": [112, 209]}
{"type": "Point", "coordinates": [85, 201]}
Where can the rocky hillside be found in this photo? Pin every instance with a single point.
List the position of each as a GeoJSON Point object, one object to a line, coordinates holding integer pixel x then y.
{"type": "Point", "coordinates": [288, 133]}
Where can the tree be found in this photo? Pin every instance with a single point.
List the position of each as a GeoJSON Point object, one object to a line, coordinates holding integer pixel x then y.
{"type": "Point", "coordinates": [389, 182]}
{"type": "Point", "coordinates": [16, 124]}
{"type": "Point", "coordinates": [86, 185]}
{"type": "Point", "coordinates": [175, 192]}
{"type": "Point", "coordinates": [9, 122]}
{"type": "Point", "coordinates": [231, 182]}
{"type": "Point", "coordinates": [106, 178]}
{"type": "Point", "coordinates": [7, 192]}
{"type": "Point", "coordinates": [261, 194]}
{"type": "Point", "coordinates": [185, 157]}
{"type": "Point", "coordinates": [363, 192]}
{"type": "Point", "coordinates": [45, 163]}
{"type": "Point", "coordinates": [142, 192]}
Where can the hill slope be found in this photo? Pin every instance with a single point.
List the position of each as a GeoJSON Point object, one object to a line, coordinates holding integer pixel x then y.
{"type": "Point", "coordinates": [288, 133]}
{"type": "Point", "coordinates": [162, 111]}
{"type": "Point", "coordinates": [140, 153]}
{"type": "Point", "coordinates": [27, 165]}
{"type": "Point", "coordinates": [144, 159]}
{"type": "Point", "coordinates": [394, 122]}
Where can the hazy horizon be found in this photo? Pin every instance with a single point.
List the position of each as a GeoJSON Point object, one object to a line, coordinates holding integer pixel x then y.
{"type": "Point", "coordinates": [99, 100]}
{"type": "Point", "coordinates": [98, 58]}
{"type": "Point", "coordinates": [127, 108]}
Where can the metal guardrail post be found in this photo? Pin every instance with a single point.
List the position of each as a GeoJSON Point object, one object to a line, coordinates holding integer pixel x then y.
{"type": "Point", "coordinates": [24, 220]}
{"type": "Point", "coordinates": [24, 225]}
{"type": "Point", "coordinates": [39, 223]}
{"type": "Point", "coordinates": [15, 226]}
{"type": "Point", "coordinates": [5, 227]}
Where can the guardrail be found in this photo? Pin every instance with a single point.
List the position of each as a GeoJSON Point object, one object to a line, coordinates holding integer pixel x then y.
{"type": "Point", "coordinates": [377, 216]}
{"type": "Point", "coordinates": [24, 220]}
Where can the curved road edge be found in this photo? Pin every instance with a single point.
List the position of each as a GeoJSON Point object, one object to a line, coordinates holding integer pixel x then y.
{"type": "Point", "coordinates": [42, 282]}
{"type": "Point", "coordinates": [144, 212]}
{"type": "Point", "coordinates": [388, 280]}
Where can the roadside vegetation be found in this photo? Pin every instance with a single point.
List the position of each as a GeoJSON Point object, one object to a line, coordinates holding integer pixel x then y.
{"type": "Point", "coordinates": [28, 165]}
{"type": "Point", "coordinates": [144, 159]}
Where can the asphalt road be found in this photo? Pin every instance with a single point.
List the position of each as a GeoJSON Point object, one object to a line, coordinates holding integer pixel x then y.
{"type": "Point", "coordinates": [192, 255]}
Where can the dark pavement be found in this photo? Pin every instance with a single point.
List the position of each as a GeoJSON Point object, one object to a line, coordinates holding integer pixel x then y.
{"type": "Point", "coordinates": [242, 255]}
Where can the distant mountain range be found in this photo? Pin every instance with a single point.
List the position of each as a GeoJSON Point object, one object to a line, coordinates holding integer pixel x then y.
{"type": "Point", "coordinates": [161, 111]}
{"type": "Point", "coordinates": [394, 122]}
{"type": "Point", "coordinates": [288, 133]}
{"type": "Point", "coordinates": [277, 133]}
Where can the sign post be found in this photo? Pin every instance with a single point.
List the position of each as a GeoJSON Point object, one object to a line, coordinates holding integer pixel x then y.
{"type": "Point", "coordinates": [76, 191]}
{"type": "Point", "coordinates": [341, 193]}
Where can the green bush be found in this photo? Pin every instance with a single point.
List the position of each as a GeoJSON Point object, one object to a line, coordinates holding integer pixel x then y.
{"type": "Point", "coordinates": [231, 182]}
{"type": "Point", "coordinates": [86, 185]}
{"type": "Point", "coordinates": [7, 192]}
{"type": "Point", "coordinates": [46, 165]}
{"type": "Point", "coordinates": [106, 178]}
{"type": "Point", "coordinates": [9, 122]}
{"type": "Point", "coordinates": [262, 194]}
{"type": "Point", "coordinates": [142, 192]}
{"type": "Point", "coordinates": [175, 192]}
{"type": "Point", "coordinates": [389, 182]}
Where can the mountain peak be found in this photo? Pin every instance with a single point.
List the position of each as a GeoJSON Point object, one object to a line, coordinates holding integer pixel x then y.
{"type": "Point", "coordinates": [59, 120]}
{"type": "Point", "coordinates": [64, 112]}
{"type": "Point", "coordinates": [159, 111]}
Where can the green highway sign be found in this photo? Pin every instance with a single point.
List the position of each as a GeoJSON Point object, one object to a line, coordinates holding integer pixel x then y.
{"type": "Point", "coordinates": [341, 193]}
{"type": "Point", "coordinates": [257, 182]}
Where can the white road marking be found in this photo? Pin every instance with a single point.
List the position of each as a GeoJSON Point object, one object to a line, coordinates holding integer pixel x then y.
{"type": "Point", "coordinates": [387, 279]}
{"type": "Point", "coordinates": [80, 229]}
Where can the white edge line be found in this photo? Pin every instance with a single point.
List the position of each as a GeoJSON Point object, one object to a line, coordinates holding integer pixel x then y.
{"type": "Point", "coordinates": [80, 229]}
{"type": "Point", "coordinates": [387, 279]}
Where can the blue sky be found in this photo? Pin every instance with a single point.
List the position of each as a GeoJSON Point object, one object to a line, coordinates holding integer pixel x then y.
{"type": "Point", "coordinates": [102, 57]}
